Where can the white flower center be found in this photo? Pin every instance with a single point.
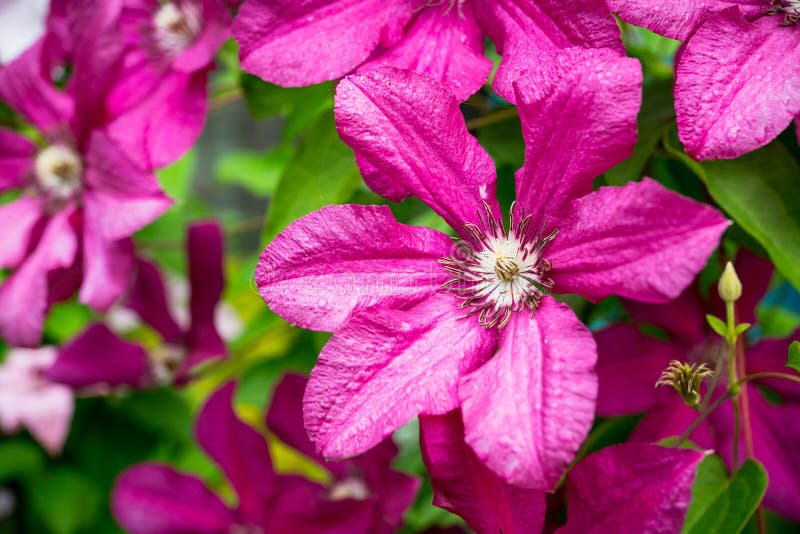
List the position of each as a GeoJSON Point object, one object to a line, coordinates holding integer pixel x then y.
{"type": "Point", "coordinates": [497, 273]}
{"type": "Point", "coordinates": [790, 9]}
{"type": "Point", "coordinates": [349, 488]}
{"type": "Point", "coordinates": [58, 171]}
{"type": "Point", "coordinates": [176, 26]}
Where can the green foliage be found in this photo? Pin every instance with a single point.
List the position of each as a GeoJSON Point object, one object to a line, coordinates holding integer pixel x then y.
{"type": "Point", "coordinates": [717, 324]}
{"type": "Point", "coordinates": [62, 500]}
{"type": "Point", "coordinates": [258, 172]}
{"type": "Point", "coordinates": [722, 503]}
{"type": "Point", "coordinates": [794, 356]}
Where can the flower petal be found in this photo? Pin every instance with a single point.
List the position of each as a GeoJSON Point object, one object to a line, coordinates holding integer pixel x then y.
{"type": "Point", "coordinates": [629, 364]}
{"type": "Point", "coordinates": [737, 85]}
{"type": "Point", "coordinates": [384, 367]}
{"type": "Point", "coordinates": [670, 417]}
{"type": "Point", "coordinates": [640, 241]}
{"type": "Point", "coordinates": [527, 34]}
{"type": "Point", "coordinates": [240, 451]}
{"type": "Point", "coordinates": [677, 19]}
{"type": "Point", "coordinates": [579, 119]}
{"type": "Point", "coordinates": [684, 318]}
{"type": "Point", "coordinates": [632, 487]}
{"type": "Point", "coordinates": [18, 219]}
{"type": "Point", "coordinates": [216, 29]}
{"type": "Point", "coordinates": [107, 267]}
{"type": "Point", "coordinates": [23, 295]}
{"type": "Point", "coordinates": [445, 43]}
{"type": "Point", "coordinates": [293, 43]}
{"type": "Point", "coordinates": [156, 499]}
{"type": "Point", "coordinates": [342, 258]}
{"type": "Point", "coordinates": [148, 298]}
{"type": "Point", "coordinates": [409, 137]}
{"type": "Point", "coordinates": [464, 486]}
{"type": "Point", "coordinates": [16, 159]}
{"type": "Point", "coordinates": [527, 411]}
{"type": "Point", "coordinates": [97, 357]}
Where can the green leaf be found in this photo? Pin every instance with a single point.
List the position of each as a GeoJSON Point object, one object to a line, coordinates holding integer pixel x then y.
{"type": "Point", "coordinates": [19, 457]}
{"type": "Point", "coordinates": [722, 504]}
{"type": "Point", "coordinates": [301, 105]}
{"type": "Point", "coordinates": [322, 172]}
{"type": "Point", "coordinates": [741, 328]}
{"type": "Point", "coordinates": [794, 356]}
{"type": "Point", "coordinates": [258, 172]}
{"type": "Point", "coordinates": [177, 178]}
{"type": "Point", "coordinates": [717, 325]}
{"type": "Point", "coordinates": [62, 500]}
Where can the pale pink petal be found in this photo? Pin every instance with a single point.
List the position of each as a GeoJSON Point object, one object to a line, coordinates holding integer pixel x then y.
{"type": "Point", "coordinates": [384, 367]}
{"type": "Point", "coordinates": [409, 137]}
{"type": "Point", "coordinates": [578, 119]}
{"type": "Point", "coordinates": [24, 87]}
{"type": "Point", "coordinates": [445, 43]}
{"type": "Point", "coordinates": [294, 43]}
{"type": "Point", "coordinates": [107, 269]}
{"type": "Point", "coordinates": [528, 33]}
{"type": "Point", "coordinates": [527, 411]}
{"type": "Point", "coordinates": [30, 400]}
{"type": "Point", "coordinates": [737, 85]}
{"type": "Point", "coordinates": [240, 451]}
{"type": "Point", "coordinates": [114, 216]}
{"type": "Point", "coordinates": [629, 364]}
{"type": "Point", "coordinates": [23, 296]}
{"type": "Point", "coordinates": [18, 219]}
{"type": "Point", "coordinates": [342, 258]}
{"type": "Point", "coordinates": [677, 19]}
{"type": "Point", "coordinates": [16, 159]}
{"type": "Point", "coordinates": [632, 487]}
{"type": "Point", "coordinates": [156, 499]}
{"type": "Point", "coordinates": [640, 241]}
{"type": "Point", "coordinates": [464, 486]}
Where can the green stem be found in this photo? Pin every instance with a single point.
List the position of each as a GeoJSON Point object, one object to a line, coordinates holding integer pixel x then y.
{"type": "Point", "coordinates": [491, 118]}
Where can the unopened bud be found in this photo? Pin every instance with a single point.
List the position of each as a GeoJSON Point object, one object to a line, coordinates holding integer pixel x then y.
{"type": "Point", "coordinates": [729, 287]}
{"type": "Point", "coordinates": [685, 378]}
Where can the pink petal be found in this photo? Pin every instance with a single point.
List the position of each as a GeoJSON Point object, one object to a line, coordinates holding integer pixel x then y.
{"type": "Point", "coordinates": [18, 220]}
{"type": "Point", "coordinates": [23, 295]}
{"type": "Point", "coordinates": [28, 399]}
{"type": "Point", "coordinates": [107, 268]}
{"type": "Point", "coordinates": [669, 418]}
{"type": "Point", "coordinates": [527, 34]}
{"type": "Point", "coordinates": [629, 364]}
{"type": "Point", "coordinates": [98, 357]}
{"type": "Point", "coordinates": [155, 499]}
{"type": "Point", "coordinates": [640, 241]}
{"type": "Point", "coordinates": [445, 43]}
{"type": "Point", "coordinates": [110, 170]}
{"type": "Point", "coordinates": [737, 85]}
{"type": "Point", "coordinates": [25, 87]}
{"type": "Point", "coordinates": [631, 488]}
{"type": "Point", "coordinates": [148, 298]}
{"type": "Point", "coordinates": [579, 119]}
{"type": "Point", "coordinates": [205, 257]}
{"type": "Point", "coordinates": [684, 318]}
{"type": "Point", "coordinates": [240, 451]}
{"type": "Point", "coordinates": [410, 139]}
{"type": "Point", "coordinates": [527, 411]}
{"type": "Point", "coordinates": [216, 24]}
{"type": "Point", "coordinates": [342, 258]}
{"type": "Point", "coordinates": [159, 130]}
{"type": "Point", "coordinates": [383, 367]}
{"type": "Point", "coordinates": [16, 159]}
{"type": "Point", "coordinates": [293, 43]}
{"type": "Point", "coordinates": [464, 486]}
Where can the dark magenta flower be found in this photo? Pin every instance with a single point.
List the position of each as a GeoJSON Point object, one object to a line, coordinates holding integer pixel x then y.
{"type": "Point", "coordinates": [738, 76]}
{"type": "Point", "coordinates": [623, 488]}
{"type": "Point", "coordinates": [295, 43]}
{"type": "Point", "coordinates": [630, 363]}
{"type": "Point", "coordinates": [422, 325]}
{"type": "Point", "coordinates": [81, 196]}
{"type": "Point", "coordinates": [98, 357]}
{"type": "Point", "coordinates": [366, 495]}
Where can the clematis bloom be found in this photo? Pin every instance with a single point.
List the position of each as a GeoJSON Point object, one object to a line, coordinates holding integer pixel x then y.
{"type": "Point", "coordinates": [81, 196]}
{"type": "Point", "coordinates": [630, 362]}
{"type": "Point", "coordinates": [99, 357]}
{"type": "Point", "coordinates": [366, 495]}
{"type": "Point", "coordinates": [293, 43]}
{"type": "Point", "coordinates": [423, 326]}
{"type": "Point", "coordinates": [29, 399]}
{"type": "Point", "coordinates": [738, 77]}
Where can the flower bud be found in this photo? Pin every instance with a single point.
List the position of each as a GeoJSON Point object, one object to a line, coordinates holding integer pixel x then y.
{"type": "Point", "coordinates": [729, 287]}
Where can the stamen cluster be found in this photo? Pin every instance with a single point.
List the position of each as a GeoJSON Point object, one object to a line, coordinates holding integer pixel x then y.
{"type": "Point", "coordinates": [175, 27]}
{"type": "Point", "coordinates": [497, 272]}
{"type": "Point", "coordinates": [790, 9]}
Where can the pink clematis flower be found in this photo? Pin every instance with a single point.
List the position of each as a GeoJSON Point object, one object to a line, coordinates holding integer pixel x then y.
{"type": "Point", "coordinates": [423, 326]}
{"type": "Point", "coordinates": [366, 496]}
{"type": "Point", "coordinates": [738, 77]}
{"type": "Point", "coordinates": [294, 43]}
{"type": "Point", "coordinates": [81, 197]}
{"type": "Point", "coordinates": [623, 488]}
{"type": "Point", "coordinates": [161, 97]}
{"type": "Point", "coordinates": [98, 357]}
{"type": "Point", "coordinates": [630, 363]}
{"type": "Point", "coordinates": [29, 399]}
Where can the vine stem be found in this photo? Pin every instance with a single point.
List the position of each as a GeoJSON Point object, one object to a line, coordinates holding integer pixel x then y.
{"type": "Point", "coordinates": [491, 118]}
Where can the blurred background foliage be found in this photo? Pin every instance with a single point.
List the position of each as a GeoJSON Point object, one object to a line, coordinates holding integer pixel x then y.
{"type": "Point", "coordinates": [270, 155]}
